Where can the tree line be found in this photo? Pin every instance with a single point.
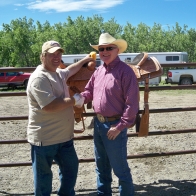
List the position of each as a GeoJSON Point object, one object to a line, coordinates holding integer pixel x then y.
{"type": "Point", "coordinates": [21, 40]}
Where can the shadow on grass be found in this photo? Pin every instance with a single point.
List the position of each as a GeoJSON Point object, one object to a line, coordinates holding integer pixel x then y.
{"type": "Point", "coordinates": [162, 188]}
{"type": "Point", "coordinates": [16, 89]}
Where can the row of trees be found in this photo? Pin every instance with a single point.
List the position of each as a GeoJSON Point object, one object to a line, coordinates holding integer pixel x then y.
{"type": "Point", "coordinates": [21, 40]}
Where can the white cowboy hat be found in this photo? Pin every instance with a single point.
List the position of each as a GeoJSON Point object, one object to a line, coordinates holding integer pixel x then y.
{"type": "Point", "coordinates": [106, 38]}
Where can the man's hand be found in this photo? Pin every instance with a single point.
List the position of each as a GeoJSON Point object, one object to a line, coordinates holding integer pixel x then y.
{"type": "Point", "coordinates": [113, 133]}
{"type": "Point", "coordinates": [79, 100]}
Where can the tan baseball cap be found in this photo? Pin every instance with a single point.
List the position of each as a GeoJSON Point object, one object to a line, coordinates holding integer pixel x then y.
{"type": "Point", "coordinates": [51, 47]}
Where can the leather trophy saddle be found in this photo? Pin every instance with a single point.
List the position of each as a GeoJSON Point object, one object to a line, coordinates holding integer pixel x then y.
{"type": "Point", "coordinates": [76, 84]}
{"type": "Point", "coordinates": [62, 65]}
{"type": "Point", "coordinates": [145, 68]}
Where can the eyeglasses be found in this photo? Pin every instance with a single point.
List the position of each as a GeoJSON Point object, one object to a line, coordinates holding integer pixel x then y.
{"type": "Point", "coordinates": [107, 49]}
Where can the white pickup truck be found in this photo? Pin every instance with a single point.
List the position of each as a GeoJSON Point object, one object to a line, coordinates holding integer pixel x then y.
{"type": "Point", "coordinates": [181, 76]}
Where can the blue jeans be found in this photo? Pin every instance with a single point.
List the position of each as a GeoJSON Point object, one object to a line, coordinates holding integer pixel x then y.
{"type": "Point", "coordinates": [111, 154]}
{"type": "Point", "coordinates": [65, 156]}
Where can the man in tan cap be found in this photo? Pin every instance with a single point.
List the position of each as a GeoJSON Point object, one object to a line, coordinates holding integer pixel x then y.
{"type": "Point", "coordinates": [51, 121]}
{"type": "Point", "coordinates": [113, 88]}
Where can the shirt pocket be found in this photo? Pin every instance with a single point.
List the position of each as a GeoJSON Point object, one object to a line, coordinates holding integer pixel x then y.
{"type": "Point", "coordinates": [114, 84]}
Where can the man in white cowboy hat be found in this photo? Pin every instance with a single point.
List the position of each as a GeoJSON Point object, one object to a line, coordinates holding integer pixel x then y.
{"type": "Point", "coordinates": [50, 128]}
{"type": "Point", "coordinates": [113, 88]}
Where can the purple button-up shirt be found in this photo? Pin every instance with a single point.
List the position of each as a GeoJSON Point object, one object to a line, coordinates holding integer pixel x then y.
{"type": "Point", "coordinates": [114, 91]}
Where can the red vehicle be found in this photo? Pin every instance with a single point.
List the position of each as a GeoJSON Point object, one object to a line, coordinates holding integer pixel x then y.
{"type": "Point", "coordinates": [14, 79]}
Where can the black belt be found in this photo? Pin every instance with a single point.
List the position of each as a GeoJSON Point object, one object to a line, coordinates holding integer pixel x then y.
{"type": "Point", "coordinates": [103, 119]}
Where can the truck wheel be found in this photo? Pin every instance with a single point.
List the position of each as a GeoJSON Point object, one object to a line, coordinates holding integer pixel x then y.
{"type": "Point", "coordinates": [25, 83]}
{"type": "Point", "coordinates": [12, 86]}
{"type": "Point", "coordinates": [186, 81]}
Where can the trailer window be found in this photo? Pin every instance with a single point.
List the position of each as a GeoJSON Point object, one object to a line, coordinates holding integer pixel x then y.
{"type": "Point", "coordinates": [128, 60]}
{"type": "Point", "coordinates": [185, 58]}
{"type": "Point", "coordinates": [172, 58]}
{"type": "Point", "coordinates": [76, 60]}
{"type": "Point", "coordinates": [98, 62]}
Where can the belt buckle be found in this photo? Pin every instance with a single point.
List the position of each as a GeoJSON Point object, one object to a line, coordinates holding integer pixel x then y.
{"type": "Point", "coordinates": [101, 118]}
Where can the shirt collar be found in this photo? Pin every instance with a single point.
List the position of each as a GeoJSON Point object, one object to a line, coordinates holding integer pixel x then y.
{"type": "Point", "coordinates": [113, 64]}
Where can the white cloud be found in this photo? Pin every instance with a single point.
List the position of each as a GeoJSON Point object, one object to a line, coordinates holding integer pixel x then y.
{"type": "Point", "coordinates": [12, 2]}
{"type": "Point", "coordinates": [19, 4]}
{"type": "Point", "coordinates": [72, 5]}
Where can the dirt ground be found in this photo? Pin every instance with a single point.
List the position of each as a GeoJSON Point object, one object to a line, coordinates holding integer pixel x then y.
{"type": "Point", "coordinates": [155, 176]}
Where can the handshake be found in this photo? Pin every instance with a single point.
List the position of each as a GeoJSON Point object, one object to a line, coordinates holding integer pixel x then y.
{"type": "Point", "coordinates": [79, 100]}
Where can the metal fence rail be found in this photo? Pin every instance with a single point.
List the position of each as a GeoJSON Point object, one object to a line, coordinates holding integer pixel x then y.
{"type": "Point", "coordinates": [165, 132]}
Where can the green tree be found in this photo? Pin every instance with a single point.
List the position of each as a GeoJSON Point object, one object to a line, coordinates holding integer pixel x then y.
{"type": "Point", "coordinates": [19, 36]}
{"type": "Point", "coordinates": [129, 36]}
{"type": "Point", "coordinates": [21, 40]}
{"type": "Point", "coordinates": [191, 45]}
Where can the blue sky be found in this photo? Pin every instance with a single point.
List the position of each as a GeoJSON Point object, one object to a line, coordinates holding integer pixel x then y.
{"type": "Point", "coordinates": [164, 12]}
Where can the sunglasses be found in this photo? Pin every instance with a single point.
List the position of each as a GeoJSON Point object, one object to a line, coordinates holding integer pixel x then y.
{"type": "Point", "coordinates": [107, 49]}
